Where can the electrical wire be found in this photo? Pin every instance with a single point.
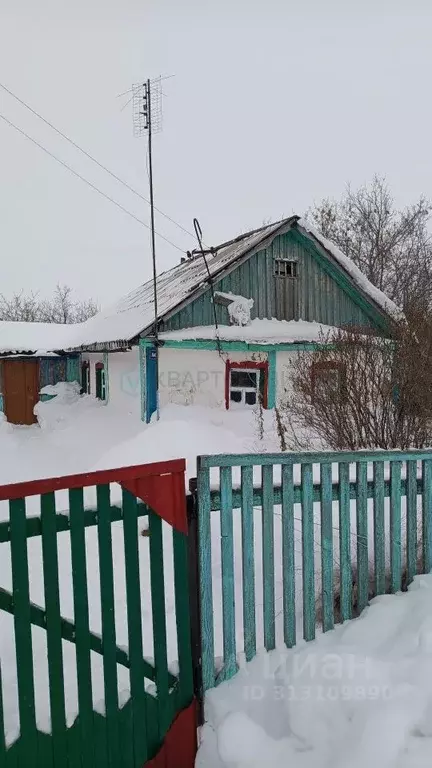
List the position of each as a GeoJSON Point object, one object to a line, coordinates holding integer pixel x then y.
{"type": "Point", "coordinates": [93, 159]}
{"type": "Point", "coordinates": [86, 181]}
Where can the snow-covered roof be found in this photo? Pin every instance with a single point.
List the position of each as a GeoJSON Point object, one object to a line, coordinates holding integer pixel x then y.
{"type": "Point", "coordinates": [133, 315]}
{"type": "Point", "coordinates": [35, 338]}
{"type": "Point", "coordinates": [259, 331]}
{"type": "Point", "coordinates": [362, 282]}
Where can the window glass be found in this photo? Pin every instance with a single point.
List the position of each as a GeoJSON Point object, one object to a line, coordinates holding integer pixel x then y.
{"type": "Point", "coordinates": [243, 378]}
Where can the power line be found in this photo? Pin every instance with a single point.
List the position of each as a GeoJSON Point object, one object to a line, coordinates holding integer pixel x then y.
{"type": "Point", "coordinates": [93, 159]}
{"type": "Point", "coordinates": [86, 181]}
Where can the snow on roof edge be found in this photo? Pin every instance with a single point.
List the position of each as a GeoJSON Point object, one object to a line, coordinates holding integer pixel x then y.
{"type": "Point", "coordinates": [378, 296]}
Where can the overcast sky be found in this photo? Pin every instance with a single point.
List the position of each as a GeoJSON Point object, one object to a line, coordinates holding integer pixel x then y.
{"type": "Point", "coordinates": [273, 106]}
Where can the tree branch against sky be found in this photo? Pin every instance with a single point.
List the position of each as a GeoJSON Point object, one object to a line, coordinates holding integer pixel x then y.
{"type": "Point", "coordinates": [392, 246]}
{"type": "Point", "coordinates": [60, 308]}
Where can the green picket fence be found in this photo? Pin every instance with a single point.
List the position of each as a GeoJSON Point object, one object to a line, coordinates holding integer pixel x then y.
{"type": "Point", "coordinates": [380, 500]}
{"type": "Point", "coordinates": [127, 734]}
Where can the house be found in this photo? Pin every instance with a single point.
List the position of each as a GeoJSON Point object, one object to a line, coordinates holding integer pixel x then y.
{"type": "Point", "coordinates": [231, 320]}
{"type": "Point", "coordinates": [32, 356]}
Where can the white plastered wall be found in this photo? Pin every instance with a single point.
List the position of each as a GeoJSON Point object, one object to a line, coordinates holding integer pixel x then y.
{"type": "Point", "coordinates": [284, 374]}
{"type": "Point", "coordinates": [196, 376]}
{"type": "Point", "coordinates": [124, 381]}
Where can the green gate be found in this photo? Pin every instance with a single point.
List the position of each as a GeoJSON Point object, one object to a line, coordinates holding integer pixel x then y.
{"type": "Point", "coordinates": [150, 722]}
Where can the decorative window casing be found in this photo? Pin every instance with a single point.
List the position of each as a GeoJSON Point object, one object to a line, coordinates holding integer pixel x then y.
{"type": "Point", "coordinates": [246, 384]}
{"type": "Point", "coordinates": [100, 381]}
{"type": "Point", "coordinates": [285, 268]}
{"type": "Point", "coordinates": [85, 377]}
{"type": "Point", "coordinates": [328, 376]}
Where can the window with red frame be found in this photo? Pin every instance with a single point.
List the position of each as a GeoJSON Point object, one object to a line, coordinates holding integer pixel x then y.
{"type": "Point", "coordinates": [246, 384]}
{"type": "Point", "coordinates": [328, 376]}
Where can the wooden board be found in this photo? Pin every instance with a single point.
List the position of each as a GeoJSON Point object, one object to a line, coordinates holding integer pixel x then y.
{"type": "Point", "coordinates": [20, 390]}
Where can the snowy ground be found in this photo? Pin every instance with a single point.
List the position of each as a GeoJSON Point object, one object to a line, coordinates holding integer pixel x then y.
{"type": "Point", "coordinates": [358, 696]}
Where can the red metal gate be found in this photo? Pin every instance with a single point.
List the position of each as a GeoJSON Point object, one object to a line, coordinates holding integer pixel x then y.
{"type": "Point", "coordinates": [157, 725]}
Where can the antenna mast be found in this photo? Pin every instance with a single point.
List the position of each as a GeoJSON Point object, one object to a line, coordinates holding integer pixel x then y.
{"type": "Point", "coordinates": [147, 117]}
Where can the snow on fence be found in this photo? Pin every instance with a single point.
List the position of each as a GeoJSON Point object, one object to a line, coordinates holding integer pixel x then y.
{"type": "Point", "coordinates": [96, 689]}
{"type": "Point", "coordinates": [328, 530]}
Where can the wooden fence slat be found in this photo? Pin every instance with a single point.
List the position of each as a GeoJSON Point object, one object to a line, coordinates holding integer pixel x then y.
{"type": "Point", "coordinates": [28, 754]}
{"type": "Point", "coordinates": [248, 562]}
{"type": "Point", "coordinates": [205, 572]}
{"type": "Point", "coordinates": [159, 618]}
{"type": "Point", "coordinates": [82, 630]}
{"type": "Point", "coordinates": [345, 543]}
{"type": "Point", "coordinates": [362, 536]}
{"type": "Point", "coordinates": [227, 566]}
{"type": "Point", "coordinates": [395, 526]}
{"type": "Point", "coordinates": [134, 622]}
{"type": "Point", "coordinates": [427, 515]}
{"type": "Point", "coordinates": [2, 725]}
{"type": "Point", "coordinates": [106, 580]}
{"type": "Point", "coordinates": [308, 552]}
{"type": "Point", "coordinates": [53, 628]}
{"type": "Point", "coordinates": [379, 529]}
{"type": "Point", "coordinates": [288, 556]}
{"type": "Point", "coordinates": [327, 586]}
{"type": "Point", "coordinates": [268, 568]}
{"type": "Point", "coordinates": [411, 518]}
{"type": "Point", "coordinates": [180, 547]}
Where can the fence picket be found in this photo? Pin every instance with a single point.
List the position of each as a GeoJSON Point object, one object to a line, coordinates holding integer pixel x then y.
{"type": "Point", "coordinates": [82, 631]}
{"type": "Point", "coordinates": [345, 542]}
{"type": "Point", "coordinates": [205, 571]}
{"type": "Point", "coordinates": [135, 640]}
{"type": "Point", "coordinates": [159, 619]}
{"type": "Point", "coordinates": [327, 547]}
{"type": "Point", "coordinates": [28, 752]}
{"type": "Point", "coordinates": [227, 566]}
{"type": "Point", "coordinates": [268, 568]}
{"type": "Point", "coordinates": [53, 627]}
{"type": "Point", "coordinates": [181, 594]}
{"type": "Point", "coordinates": [379, 530]}
{"type": "Point", "coordinates": [427, 515]}
{"type": "Point", "coordinates": [248, 562]}
{"type": "Point", "coordinates": [395, 526]}
{"type": "Point", "coordinates": [411, 517]}
{"type": "Point", "coordinates": [2, 725]}
{"type": "Point", "coordinates": [308, 552]}
{"type": "Point", "coordinates": [106, 580]}
{"type": "Point", "coordinates": [362, 536]}
{"type": "Point", "coordinates": [288, 556]}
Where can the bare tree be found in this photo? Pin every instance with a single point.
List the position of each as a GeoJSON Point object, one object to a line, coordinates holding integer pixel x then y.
{"type": "Point", "coordinates": [61, 308]}
{"type": "Point", "coordinates": [359, 391]}
{"type": "Point", "coordinates": [392, 247]}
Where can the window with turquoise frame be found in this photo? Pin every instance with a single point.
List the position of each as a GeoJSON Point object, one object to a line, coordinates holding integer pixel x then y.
{"type": "Point", "coordinates": [100, 381]}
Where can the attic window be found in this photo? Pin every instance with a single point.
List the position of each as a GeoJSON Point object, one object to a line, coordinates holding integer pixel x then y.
{"type": "Point", "coordinates": [284, 268]}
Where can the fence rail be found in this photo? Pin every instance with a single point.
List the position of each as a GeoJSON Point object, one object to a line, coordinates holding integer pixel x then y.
{"type": "Point", "coordinates": [383, 498]}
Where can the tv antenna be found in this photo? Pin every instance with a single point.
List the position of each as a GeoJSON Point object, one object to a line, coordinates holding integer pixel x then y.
{"type": "Point", "coordinates": [147, 118]}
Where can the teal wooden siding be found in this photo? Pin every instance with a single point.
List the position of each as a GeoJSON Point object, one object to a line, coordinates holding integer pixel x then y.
{"type": "Point", "coordinates": [319, 298]}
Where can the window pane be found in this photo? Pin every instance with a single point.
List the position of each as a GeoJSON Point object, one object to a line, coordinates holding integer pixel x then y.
{"type": "Point", "coordinates": [250, 398]}
{"type": "Point", "coordinates": [235, 396]}
{"type": "Point", "coordinates": [243, 379]}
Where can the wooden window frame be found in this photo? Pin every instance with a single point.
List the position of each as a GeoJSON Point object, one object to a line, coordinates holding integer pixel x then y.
{"type": "Point", "coordinates": [284, 276]}
{"type": "Point", "coordinates": [328, 365]}
{"type": "Point", "coordinates": [246, 364]}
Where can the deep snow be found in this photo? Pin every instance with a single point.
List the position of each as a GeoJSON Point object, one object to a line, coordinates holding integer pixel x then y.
{"type": "Point", "coordinates": [358, 696]}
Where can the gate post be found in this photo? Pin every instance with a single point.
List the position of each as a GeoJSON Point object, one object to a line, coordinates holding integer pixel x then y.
{"type": "Point", "coordinates": [194, 601]}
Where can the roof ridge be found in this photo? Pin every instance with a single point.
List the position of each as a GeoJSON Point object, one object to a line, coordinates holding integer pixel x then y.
{"type": "Point", "coordinates": [251, 232]}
